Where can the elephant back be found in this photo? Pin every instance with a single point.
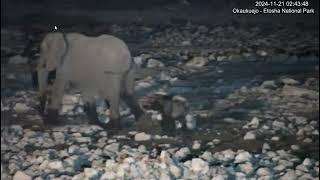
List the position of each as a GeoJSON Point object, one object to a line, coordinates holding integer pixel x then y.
{"type": "Point", "coordinates": [103, 53]}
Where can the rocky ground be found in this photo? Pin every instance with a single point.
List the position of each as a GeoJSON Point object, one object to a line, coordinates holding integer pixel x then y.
{"type": "Point", "coordinates": [252, 92]}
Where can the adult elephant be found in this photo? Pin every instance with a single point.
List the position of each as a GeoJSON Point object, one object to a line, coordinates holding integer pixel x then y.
{"type": "Point", "coordinates": [97, 66]}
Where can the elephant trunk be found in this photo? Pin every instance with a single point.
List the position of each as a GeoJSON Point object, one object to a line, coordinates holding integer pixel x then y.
{"type": "Point", "coordinates": [43, 83]}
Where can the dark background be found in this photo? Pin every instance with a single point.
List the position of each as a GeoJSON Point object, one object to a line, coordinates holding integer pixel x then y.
{"type": "Point", "coordinates": [142, 11]}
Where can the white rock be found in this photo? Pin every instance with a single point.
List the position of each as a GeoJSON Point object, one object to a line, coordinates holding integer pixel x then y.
{"type": "Point", "coordinates": [56, 165]}
{"type": "Point", "coordinates": [199, 165]}
{"type": "Point", "coordinates": [18, 60]}
{"type": "Point", "coordinates": [191, 122]}
{"type": "Point", "coordinates": [279, 168]}
{"type": "Point", "coordinates": [246, 167]}
{"type": "Point", "coordinates": [297, 91]}
{"type": "Point", "coordinates": [268, 85]}
{"type": "Point", "coordinates": [218, 177]}
{"type": "Point", "coordinates": [164, 176]}
{"type": "Point", "coordinates": [275, 138]}
{"type": "Point", "coordinates": [182, 153]}
{"type": "Point", "coordinates": [196, 145]}
{"type": "Point", "coordinates": [138, 61]}
{"type": "Point", "coordinates": [265, 147]}
{"type": "Point", "coordinates": [142, 137]}
{"type": "Point", "coordinates": [289, 81]}
{"type": "Point", "coordinates": [207, 156]}
{"type": "Point", "coordinates": [240, 176]}
{"type": "Point", "coordinates": [253, 124]}
{"type": "Point", "coordinates": [302, 168]}
{"type": "Point", "coordinates": [243, 156]}
{"type": "Point", "coordinates": [212, 57]}
{"type": "Point", "coordinates": [175, 170]}
{"type": "Point", "coordinates": [289, 175]}
{"type": "Point", "coordinates": [111, 164]}
{"type": "Point", "coordinates": [153, 63]}
{"type": "Point", "coordinates": [21, 108]}
{"type": "Point", "coordinates": [186, 43]}
{"type": "Point", "coordinates": [90, 173]}
{"type": "Point", "coordinates": [83, 139]}
{"type": "Point", "coordinates": [19, 175]}
{"type": "Point", "coordinates": [263, 172]}
{"type": "Point", "coordinates": [197, 62]}
{"type": "Point", "coordinates": [307, 162]}
{"type": "Point", "coordinates": [142, 85]}
{"type": "Point", "coordinates": [221, 58]}
{"type": "Point", "coordinates": [230, 120]}
{"type": "Point", "coordinates": [295, 147]}
{"type": "Point", "coordinates": [228, 155]}
{"type": "Point", "coordinates": [249, 136]}
{"type": "Point", "coordinates": [278, 125]}
{"type": "Point", "coordinates": [113, 147]}
{"type": "Point", "coordinates": [262, 53]}
{"type": "Point", "coordinates": [108, 175]}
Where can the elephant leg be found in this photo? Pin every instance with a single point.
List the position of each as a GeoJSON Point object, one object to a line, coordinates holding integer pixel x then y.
{"type": "Point", "coordinates": [133, 104]}
{"type": "Point", "coordinates": [129, 97]}
{"type": "Point", "coordinates": [55, 101]}
{"type": "Point", "coordinates": [113, 97]}
{"type": "Point", "coordinates": [90, 110]}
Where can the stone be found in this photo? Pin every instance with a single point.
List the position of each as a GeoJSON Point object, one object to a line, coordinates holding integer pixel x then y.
{"type": "Point", "coordinates": [182, 153]}
{"type": "Point", "coordinates": [142, 137]}
{"type": "Point", "coordinates": [246, 167]}
{"type": "Point", "coordinates": [289, 81]}
{"type": "Point", "coordinates": [83, 140]}
{"type": "Point", "coordinates": [218, 177]}
{"type": "Point", "coordinates": [175, 170]}
{"type": "Point", "coordinates": [254, 123]}
{"type": "Point", "coordinates": [289, 175]}
{"type": "Point", "coordinates": [302, 168]}
{"type": "Point", "coordinates": [191, 122]}
{"type": "Point", "coordinates": [221, 58]}
{"type": "Point", "coordinates": [207, 156]}
{"type": "Point", "coordinates": [242, 157]}
{"type": "Point", "coordinates": [18, 60]}
{"type": "Point", "coordinates": [196, 145]}
{"type": "Point", "coordinates": [153, 63]}
{"type": "Point", "coordinates": [199, 165]}
{"type": "Point", "coordinates": [228, 155]}
{"type": "Point", "coordinates": [307, 162]}
{"type": "Point", "coordinates": [279, 168]}
{"type": "Point", "coordinates": [262, 53]}
{"type": "Point", "coordinates": [231, 120]}
{"type": "Point", "coordinates": [298, 91]}
{"type": "Point", "coordinates": [21, 108]}
{"type": "Point", "coordinates": [275, 138]}
{"type": "Point", "coordinates": [295, 147]}
{"type": "Point", "coordinates": [268, 85]}
{"type": "Point", "coordinates": [109, 175]}
{"type": "Point", "coordinates": [19, 175]}
{"type": "Point", "coordinates": [197, 62]}
{"type": "Point", "coordinates": [250, 136]}
{"type": "Point", "coordinates": [186, 43]}
{"type": "Point", "coordinates": [56, 165]}
{"type": "Point", "coordinates": [278, 125]}
{"type": "Point", "coordinates": [263, 172]}
{"type": "Point", "coordinates": [113, 147]}
{"type": "Point", "coordinates": [265, 147]}
{"type": "Point", "coordinates": [90, 173]}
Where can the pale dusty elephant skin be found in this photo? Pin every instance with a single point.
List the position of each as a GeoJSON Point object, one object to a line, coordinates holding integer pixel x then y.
{"type": "Point", "coordinates": [97, 66]}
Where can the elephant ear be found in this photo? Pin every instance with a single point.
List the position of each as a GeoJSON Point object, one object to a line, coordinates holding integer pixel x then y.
{"type": "Point", "coordinates": [53, 48]}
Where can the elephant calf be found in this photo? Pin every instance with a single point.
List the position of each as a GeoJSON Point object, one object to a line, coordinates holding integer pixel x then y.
{"type": "Point", "coordinates": [97, 66]}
